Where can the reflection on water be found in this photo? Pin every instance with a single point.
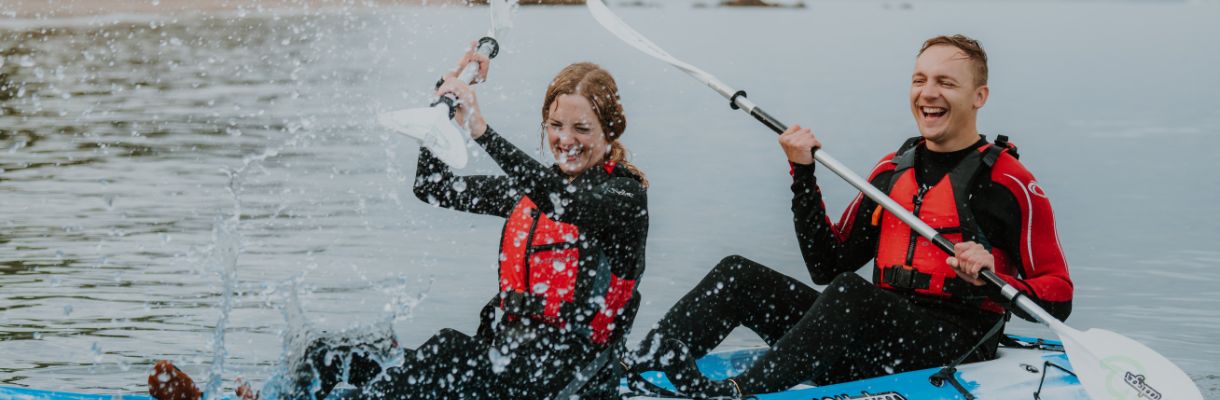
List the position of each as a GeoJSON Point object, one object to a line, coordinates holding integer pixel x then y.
{"type": "Point", "coordinates": [116, 139]}
{"type": "Point", "coordinates": [111, 147]}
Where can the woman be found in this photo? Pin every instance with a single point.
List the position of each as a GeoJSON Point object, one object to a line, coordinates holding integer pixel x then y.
{"type": "Point", "coordinates": [571, 253]}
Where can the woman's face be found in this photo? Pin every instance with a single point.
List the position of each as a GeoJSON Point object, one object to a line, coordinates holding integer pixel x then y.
{"type": "Point", "coordinates": [575, 135]}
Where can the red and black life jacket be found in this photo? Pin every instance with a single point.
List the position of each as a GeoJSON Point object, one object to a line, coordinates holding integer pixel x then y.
{"type": "Point", "coordinates": [553, 273]}
{"type": "Point", "coordinates": [907, 261]}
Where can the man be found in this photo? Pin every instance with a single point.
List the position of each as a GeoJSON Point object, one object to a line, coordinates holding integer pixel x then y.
{"type": "Point", "coordinates": [923, 308]}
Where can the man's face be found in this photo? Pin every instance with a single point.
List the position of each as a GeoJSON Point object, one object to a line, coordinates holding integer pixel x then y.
{"type": "Point", "coordinates": [944, 98]}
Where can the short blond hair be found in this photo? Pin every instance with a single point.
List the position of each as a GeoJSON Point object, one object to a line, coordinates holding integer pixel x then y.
{"type": "Point", "coordinates": [972, 49]}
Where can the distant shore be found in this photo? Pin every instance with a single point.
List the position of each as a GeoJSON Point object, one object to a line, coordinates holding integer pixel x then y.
{"type": "Point", "coordinates": [49, 9]}
{"type": "Point", "coordinates": [84, 8]}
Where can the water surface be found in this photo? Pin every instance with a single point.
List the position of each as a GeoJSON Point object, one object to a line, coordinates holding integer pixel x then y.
{"type": "Point", "coordinates": [120, 139]}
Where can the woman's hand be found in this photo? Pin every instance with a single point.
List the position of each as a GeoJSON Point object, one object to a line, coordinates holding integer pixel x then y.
{"type": "Point", "coordinates": [971, 260]}
{"type": "Point", "coordinates": [798, 144]}
{"type": "Point", "coordinates": [467, 104]}
{"type": "Point", "coordinates": [472, 55]}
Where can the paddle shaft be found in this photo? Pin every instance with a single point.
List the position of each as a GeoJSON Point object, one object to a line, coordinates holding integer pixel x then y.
{"type": "Point", "coordinates": [1024, 303]}
{"type": "Point", "coordinates": [489, 47]}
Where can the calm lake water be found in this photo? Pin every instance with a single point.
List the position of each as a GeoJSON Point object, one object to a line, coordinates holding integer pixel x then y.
{"type": "Point", "coordinates": [129, 143]}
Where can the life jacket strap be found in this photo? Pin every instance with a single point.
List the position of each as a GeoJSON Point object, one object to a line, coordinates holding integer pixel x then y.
{"type": "Point", "coordinates": [903, 277]}
{"type": "Point", "coordinates": [521, 304]}
{"type": "Point", "coordinates": [909, 279]}
{"type": "Point", "coordinates": [487, 319]}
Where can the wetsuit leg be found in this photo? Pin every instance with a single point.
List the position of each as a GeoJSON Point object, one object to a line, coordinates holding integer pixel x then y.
{"type": "Point", "coordinates": [539, 364]}
{"type": "Point", "coordinates": [856, 330]}
{"type": "Point", "coordinates": [516, 365]}
{"type": "Point", "coordinates": [331, 360]}
{"type": "Point", "coordinates": [448, 365]}
{"type": "Point", "coordinates": [737, 292]}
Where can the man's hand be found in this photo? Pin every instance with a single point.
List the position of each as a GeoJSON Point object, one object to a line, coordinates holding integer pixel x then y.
{"type": "Point", "coordinates": [798, 144]}
{"type": "Point", "coordinates": [971, 260]}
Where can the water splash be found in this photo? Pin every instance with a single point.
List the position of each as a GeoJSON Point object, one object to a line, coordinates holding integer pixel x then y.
{"type": "Point", "coordinates": [226, 239]}
{"type": "Point", "coordinates": [374, 341]}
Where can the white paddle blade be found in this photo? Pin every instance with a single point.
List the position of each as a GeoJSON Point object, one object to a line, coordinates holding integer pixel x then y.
{"type": "Point", "coordinates": [615, 25]}
{"type": "Point", "coordinates": [624, 32]}
{"type": "Point", "coordinates": [1112, 366]}
{"type": "Point", "coordinates": [433, 129]}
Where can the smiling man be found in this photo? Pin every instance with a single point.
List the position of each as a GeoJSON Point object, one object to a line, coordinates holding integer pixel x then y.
{"type": "Point", "coordinates": [923, 307]}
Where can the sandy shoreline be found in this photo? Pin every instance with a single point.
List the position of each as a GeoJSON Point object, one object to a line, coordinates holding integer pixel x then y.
{"type": "Point", "coordinates": [52, 9]}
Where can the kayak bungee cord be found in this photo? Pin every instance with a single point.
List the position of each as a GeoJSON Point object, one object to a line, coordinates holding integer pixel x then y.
{"type": "Point", "coordinates": [433, 126]}
{"type": "Point", "coordinates": [1109, 365]}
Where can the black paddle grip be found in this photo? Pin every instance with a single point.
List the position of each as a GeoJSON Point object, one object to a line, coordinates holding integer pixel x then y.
{"type": "Point", "coordinates": [768, 120]}
{"type": "Point", "coordinates": [733, 100]}
{"type": "Point", "coordinates": [449, 102]}
{"type": "Point", "coordinates": [994, 279]}
{"type": "Point", "coordinates": [944, 244]}
{"type": "Point", "coordinates": [490, 41]}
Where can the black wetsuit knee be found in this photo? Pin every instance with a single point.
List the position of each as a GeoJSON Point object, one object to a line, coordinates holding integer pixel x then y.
{"type": "Point", "coordinates": [331, 360]}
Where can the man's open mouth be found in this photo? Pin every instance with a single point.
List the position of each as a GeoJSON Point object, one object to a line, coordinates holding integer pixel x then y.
{"type": "Point", "coordinates": [933, 112]}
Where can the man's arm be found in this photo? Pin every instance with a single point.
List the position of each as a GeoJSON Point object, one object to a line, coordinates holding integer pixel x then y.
{"type": "Point", "coordinates": [1044, 274]}
{"type": "Point", "coordinates": [828, 248]}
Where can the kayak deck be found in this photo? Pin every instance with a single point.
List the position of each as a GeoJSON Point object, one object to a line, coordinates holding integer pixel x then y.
{"type": "Point", "coordinates": [1016, 374]}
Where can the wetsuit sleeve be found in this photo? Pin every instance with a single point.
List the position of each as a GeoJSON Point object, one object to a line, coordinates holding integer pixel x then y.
{"type": "Point", "coordinates": [1043, 275]}
{"type": "Point", "coordinates": [436, 184]}
{"type": "Point", "coordinates": [828, 248]}
{"type": "Point", "coordinates": [617, 202]}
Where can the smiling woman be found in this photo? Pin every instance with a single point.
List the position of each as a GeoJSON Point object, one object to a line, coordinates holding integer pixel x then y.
{"type": "Point", "coordinates": [571, 256]}
{"type": "Point", "coordinates": [583, 119]}
{"type": "Point", "coordinates": [571, 253]}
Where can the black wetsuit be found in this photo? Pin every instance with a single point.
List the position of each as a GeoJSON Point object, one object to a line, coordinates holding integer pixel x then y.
{"type": "Point", "coordinates": [517, 357]}
{"type": "Point", "coordinates": [852, 329]}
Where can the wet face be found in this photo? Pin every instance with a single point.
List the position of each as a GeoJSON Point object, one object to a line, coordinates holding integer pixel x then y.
{"type": "Point", "coordinates": [575, 135]}
{"type": "Point", "coordinates": [944, 98]}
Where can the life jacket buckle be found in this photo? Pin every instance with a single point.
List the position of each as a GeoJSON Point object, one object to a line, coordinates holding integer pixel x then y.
{"type": "Point", "coordinates": [903, 277]}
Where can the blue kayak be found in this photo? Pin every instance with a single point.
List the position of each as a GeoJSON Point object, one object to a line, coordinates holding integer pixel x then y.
{"type": "Point", "coordinates": [1027, 366]}
{"type": "Point", "coordinates": [21, 393]}
{"type": "Point", "coordinates": [1019, 371]}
